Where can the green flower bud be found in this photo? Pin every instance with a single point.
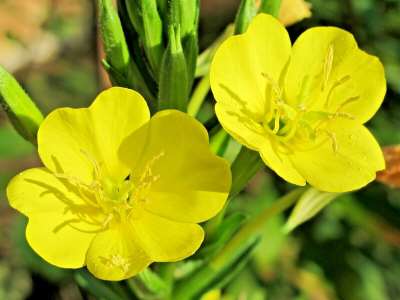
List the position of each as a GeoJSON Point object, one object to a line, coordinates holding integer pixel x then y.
{"type": "Point", "coordinates": [133, 8]}
{"type": "Point", "coordinates": [191, 51]}
{"type": "Point", "coordinates": [245, 14]}
{"type": "Point", "coordinates": [271, 7]}
{"type": "Point", "coordinates": [115, 47]}
{"type": "Point", "coordinates": [21, 110]}
{"type": "Point", "coordinates": [186, 14]}
{"type": "Point", "coordinates": [119, 64]}
{"type": "Point", "coordinates": [173, 84]}
{"type": "Point", "coordinates": [153, 34]}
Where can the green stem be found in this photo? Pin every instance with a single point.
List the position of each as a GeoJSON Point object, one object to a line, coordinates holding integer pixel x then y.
{"type": "Point", "coordinates": [255, 227]}
{"type": "Point", "coordinates": [271, 7]}
{"type": "Point", "coordinates": [203, 280]}
{"type": "Point", "coordinates": [135, 288]}
{"type": "Point", "coordinates": [244, 167]}
{"type": "Point", "coordinates": [166, 272]}
{"type": "Point", "coordinates": [96, 287]}
{"type": "Point", "coordinates": [199, 95]}
{"type": "Point", "coordinates": [218, 142]}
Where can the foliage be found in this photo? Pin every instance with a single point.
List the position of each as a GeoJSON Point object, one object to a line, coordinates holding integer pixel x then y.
{"type": "Point", "coordinates": [349, 250]}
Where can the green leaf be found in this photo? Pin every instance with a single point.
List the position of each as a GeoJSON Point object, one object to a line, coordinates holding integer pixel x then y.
{"type": "Point", "coordinates": [233, 256]}
{"type": "Point", "coordinates": [94, 286]}
{"type": "Point", "coordinates": [21, 147]}
{"type": "Point", "coordinates": [21, 110]}
{"type": "Point", "coordinates": [173, 83]}
{"type": "Point", "coordinates": [219, 140]}
{"type": "Point", "coordinates": [309, 204]}
{"type": "Point", "coordinates": [223, 234]}
{"type": "Point", "coordinates": [247, 10]}
{"type": "Point", "coordinates": [371, 276]}
{"type": "Point", "coordinates": [133, 8]}
{"type": "Point", "coordinates": [163, 8]}
{"type": "Point", "coordinates": [215, 274]}
{"type": "Point", "coordinates": [191, 52]}
{"type": "Point", "coordinates": [154, 283]}
{"type": "Point", "coordinates": [244, 167]}
{"type": "Point", "coordinates": [246, 164]}
{"type": "Point", "coordinates": [119, 64]}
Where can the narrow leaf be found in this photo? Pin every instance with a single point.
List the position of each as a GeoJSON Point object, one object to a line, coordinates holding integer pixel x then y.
{"type": "Point", "coordinates": [309, 204]}
{"type": "Point", "coordinates": [245, 14]}
{"type": "Point", "coordinates": [173, 83]}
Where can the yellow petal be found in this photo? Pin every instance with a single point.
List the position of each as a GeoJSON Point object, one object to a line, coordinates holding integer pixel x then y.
{"type": "Point", "coordinates": [72, 141]}
{"type": "Point", "coordinates": [293, 11]}
{"type": "Point", "coordinates": [347, 161]}
{"type": "Point", "coordinates": [51, 208]}
{"type": "Point", "coordinates": [65, 247]}
{"type": "Point", "coordinates": [212, 295]}
{"type": "Point", "coordinates": [192, 184]}
{"type": "Point", "coordinates": [241, 126]}
{"type": "Point", "coordinates": [165, 240]}
{"type": "Point", "coordinates": [280, 163]}
{"type": "Point", "coordinates": [115, 254]}
{"type": "Point", "coordinates": [239, 73]}
{"type": "Point", "coordinates": [333, 75]}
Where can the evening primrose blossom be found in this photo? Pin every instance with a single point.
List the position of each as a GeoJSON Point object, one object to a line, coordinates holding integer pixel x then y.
{"type": "Point", "coordinates": [301, 107]}
{"type": "Point", "coordinates": [119, 190]}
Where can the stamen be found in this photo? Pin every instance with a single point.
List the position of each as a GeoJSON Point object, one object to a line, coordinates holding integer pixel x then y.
{"type": "Point", "coordinates": [328, 64]}
{"type": "Point", "coordinates": [92, 160]}
{"type": "Point", "coordinates": [304, 91]}
{"type": "Point", "coordinates": [338, 83]}
{"type": "Point", "coordinates": [332, 137]}
{"type": "Point", "coordinates": [146, 180]}
{"type": "Point", "coordinates": [275, 86]}
{"type": "Point", "coordinates": [348, 101]}
{"type": "Point", "coordinates": [65, 223]}
{"type": "Point", "coordinates": [80, 185]}
{"type": "Point", "coordinates": [343, 115]}
{"type": "Point", "coordinates": [276, 124]}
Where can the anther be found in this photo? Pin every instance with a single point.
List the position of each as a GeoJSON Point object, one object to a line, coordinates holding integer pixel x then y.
{"type": "Point", "coordinates": [275, 86]}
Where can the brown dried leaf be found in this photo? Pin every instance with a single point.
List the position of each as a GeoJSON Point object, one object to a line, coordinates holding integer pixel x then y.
{"type": "Point", "coordinates": [391, 175]}
{"type": "Point", "coordinates": [293, 11]}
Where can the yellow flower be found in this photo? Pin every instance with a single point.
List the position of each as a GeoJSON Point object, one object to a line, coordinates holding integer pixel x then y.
{"type": "Point", "coordinates": [301, 107]}
{"type": "Point", "coordinates": [119, 190]}
{"type": "Point", "coordinates": [212, 295]}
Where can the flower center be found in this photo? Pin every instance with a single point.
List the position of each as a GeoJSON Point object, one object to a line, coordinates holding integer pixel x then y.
{"type": "Point", "coordinates": [300, 127]}
{"type": "Point", "coordinates": [106, 201]}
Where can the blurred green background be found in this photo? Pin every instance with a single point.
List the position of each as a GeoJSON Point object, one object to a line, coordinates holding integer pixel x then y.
{"type": "Point", "coordinates": [351, 250]}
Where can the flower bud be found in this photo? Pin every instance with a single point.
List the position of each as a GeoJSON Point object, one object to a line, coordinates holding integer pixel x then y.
{"type": "Point", "coordinates": [21, 110]}
{"type": "Point", "coordinates": [245, 14]}
{"type": "Point", "coordinates": [173, 84]}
